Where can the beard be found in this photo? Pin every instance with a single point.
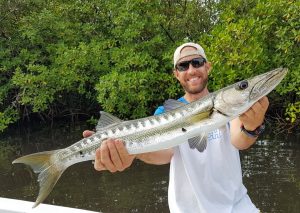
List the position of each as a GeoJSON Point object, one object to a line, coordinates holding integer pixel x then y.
{"type": "Point", "coordinates": [195, 90]}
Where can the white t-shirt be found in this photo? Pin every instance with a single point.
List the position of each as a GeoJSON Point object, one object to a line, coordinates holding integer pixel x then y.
{"type": "Point", "coordinates": [209, 181]}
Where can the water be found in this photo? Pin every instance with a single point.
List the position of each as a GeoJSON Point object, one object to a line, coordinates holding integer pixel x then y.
{"type": "Point", "coordinates": [271, 173]}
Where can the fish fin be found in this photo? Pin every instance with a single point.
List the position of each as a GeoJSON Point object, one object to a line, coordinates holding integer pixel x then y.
{"type": "Point", "coordinates": [107, 119]}
{"type": "Point", "coordinates": [49, 171]}
{"type": "Point", "coordinates": [199, 142]}
{"type": "Point", "coordinates": [172, 104]}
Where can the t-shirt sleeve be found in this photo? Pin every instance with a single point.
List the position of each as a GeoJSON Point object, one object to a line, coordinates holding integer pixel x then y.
{"type": "Point", "coordinates": [159, 110]}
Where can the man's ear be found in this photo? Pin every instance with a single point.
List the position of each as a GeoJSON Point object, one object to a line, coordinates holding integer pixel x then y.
{"type": "Point", "coordinates": [175, 73]}
{"type": "Point", "coordinates": [209, 67]}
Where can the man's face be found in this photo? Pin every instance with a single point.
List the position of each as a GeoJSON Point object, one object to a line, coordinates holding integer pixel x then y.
{"type": "Point", "coordinates": [193, 80]}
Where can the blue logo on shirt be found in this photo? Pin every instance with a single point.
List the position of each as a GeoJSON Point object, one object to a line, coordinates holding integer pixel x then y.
{"type": "Point", "coordinates": [216, 134]}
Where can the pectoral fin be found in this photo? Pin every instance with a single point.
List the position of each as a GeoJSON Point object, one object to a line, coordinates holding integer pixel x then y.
{"type": "Point", "coordinates": [172, 104]}
{"type": "Point", "coordinates": [198, 142]}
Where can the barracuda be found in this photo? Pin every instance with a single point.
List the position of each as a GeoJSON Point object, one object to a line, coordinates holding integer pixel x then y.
{"type": "Point", "coordinates": [181, 123]}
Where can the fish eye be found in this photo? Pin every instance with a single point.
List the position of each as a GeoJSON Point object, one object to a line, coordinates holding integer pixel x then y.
{"type": "Point", "coordinates": [242, 85]}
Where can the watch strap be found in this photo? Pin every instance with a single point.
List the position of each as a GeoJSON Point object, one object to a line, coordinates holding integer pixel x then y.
{"type": "Point", "coordinates": [255, 133]}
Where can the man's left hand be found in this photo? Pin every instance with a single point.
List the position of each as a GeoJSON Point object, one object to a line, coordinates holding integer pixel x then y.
{"type": "Point", "coordinates": [255, 115]}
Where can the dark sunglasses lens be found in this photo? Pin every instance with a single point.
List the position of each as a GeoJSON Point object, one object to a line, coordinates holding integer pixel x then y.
{"type": "Point", "coordinates": [198, 62]}
{"type": "Point", "coordinates": [183, 66]}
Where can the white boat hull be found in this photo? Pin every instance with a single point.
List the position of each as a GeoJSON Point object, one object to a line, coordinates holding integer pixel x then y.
{"type": "Point", "coordinates": [20, 206]}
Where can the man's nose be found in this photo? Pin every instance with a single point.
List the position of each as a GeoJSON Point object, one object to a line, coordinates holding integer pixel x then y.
{"type": "Point", "coordinates": [191, 69]}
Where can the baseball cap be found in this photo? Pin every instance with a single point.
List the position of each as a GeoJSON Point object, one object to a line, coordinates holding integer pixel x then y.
{"type": "Point", "coordinates": [198, 51]}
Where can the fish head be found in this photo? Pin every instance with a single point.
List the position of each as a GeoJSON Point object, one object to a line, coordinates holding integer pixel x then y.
{"type": "Point", "coordinates": [239, 97]}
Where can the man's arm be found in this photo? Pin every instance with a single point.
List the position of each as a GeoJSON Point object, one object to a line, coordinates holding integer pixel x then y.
{"type": "Point", "coordinates": [251, 119]}
{"type": "Point", "coordinates": [158, 158]}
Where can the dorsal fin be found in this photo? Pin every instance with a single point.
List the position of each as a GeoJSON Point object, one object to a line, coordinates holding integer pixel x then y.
{"type": "Point", "coordinates": [172, 104]}
{"type": "Point", "coordinates": [199, 142]}
{"type": "Point", "coordinates": [106, 120]}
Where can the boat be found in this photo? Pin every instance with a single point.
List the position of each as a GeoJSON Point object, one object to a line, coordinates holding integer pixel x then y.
{"type": "Point", "coordinates": [8, 205]}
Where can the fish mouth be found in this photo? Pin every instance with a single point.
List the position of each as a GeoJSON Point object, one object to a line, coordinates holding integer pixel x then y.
{"type": "Point", "coordinates": [268, 81]}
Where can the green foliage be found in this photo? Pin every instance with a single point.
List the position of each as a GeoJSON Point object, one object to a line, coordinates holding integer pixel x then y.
{"type": "Point", "coordinates": [53, 53]}
{"type": "Point", "coordinates": [135, 94]}
{"type": "Point", "coordinates": [293, 111]}
{"type": "Point", "coordinates": [253, 37]}
{"type": "Point", "coordinates": [7, 117]}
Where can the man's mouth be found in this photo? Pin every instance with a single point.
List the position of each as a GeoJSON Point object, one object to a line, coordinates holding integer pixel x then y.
{"type": "Point", "coordinates": [193, 79]}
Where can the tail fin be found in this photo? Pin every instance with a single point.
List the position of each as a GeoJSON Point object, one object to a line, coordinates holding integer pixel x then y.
{"type": "Point", "coordinates": [48, 168]}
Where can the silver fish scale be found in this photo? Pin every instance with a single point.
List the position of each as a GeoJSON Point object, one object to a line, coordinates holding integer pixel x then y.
{"type": "Point", "coordinates": [143, 139]}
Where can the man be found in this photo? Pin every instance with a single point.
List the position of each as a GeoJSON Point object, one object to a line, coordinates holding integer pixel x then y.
{"type": "Point", "coordinates": [210, 181]}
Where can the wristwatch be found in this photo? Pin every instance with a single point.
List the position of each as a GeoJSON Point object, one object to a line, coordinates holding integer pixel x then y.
{"type": "Point", "coordinates": [255, 133]}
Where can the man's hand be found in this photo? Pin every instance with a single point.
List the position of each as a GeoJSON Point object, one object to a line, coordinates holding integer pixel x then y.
{"type": "Point", "coordinates": [254, 116]}
{"type": "Point", "coordinates": [87, 133]}
{"type": "Point", "coordinates": [251, 119]}
{"type": "Point", "coordinates": [112, 155]}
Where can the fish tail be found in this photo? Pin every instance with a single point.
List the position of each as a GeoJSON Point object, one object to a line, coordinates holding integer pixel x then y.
{"type": "Point", "coordinates": [49, 169]}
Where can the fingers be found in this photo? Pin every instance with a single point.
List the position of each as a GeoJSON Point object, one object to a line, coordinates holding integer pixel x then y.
{"type": "Point", "coordinates": [248, 114]}
{"type": "Point", "coordinates": [106, 156]}
{"type": "Point", "coordinates": [112, 156]}
{"type": "Point", "coordinates": [264, 102]}
{"type": "Point", "coordinates": [254, 116]}
{"type": "Point", "coordinates": [123, 153]}
{"type": "Point", "coordinates": [87, 133]}
{"type": "Point", "coordinates": [115, 159]}
{"type": "Point", "coordinates": [261, 106]}
{"type": "Point", "coordinates": [97, 164]}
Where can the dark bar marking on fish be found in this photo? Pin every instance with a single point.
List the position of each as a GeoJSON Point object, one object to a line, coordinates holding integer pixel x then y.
{"type": "Point", "coordinates": [172, 115]}
{"type": "Point", "coordinates": [166, 117]}
{"type": "Point", "coordinates": [142, 123]}
{"type": "Point", "coordinates": [151, 121]}
{"type": "Point", "coordinates": [81, 153]}
{"type": "Point", "coordinates": [132, 126]}
{"type": "Point", "coordinates": [85, 141]}
{"type": "Point", "coordinates": [136, 125]}
{"type": "Point", "coordinates": [104, 134]}
{"type": "Point", "coordinates": [183, 129]}
{"type": "Point", "coordinates": [222, 113]}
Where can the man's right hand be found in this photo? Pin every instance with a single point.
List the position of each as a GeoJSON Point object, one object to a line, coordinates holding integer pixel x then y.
{"type": "Point", "coordinates": [112, 155]}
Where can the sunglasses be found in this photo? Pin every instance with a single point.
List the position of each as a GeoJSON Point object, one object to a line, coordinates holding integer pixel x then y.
{"type": "Point", "coordinates": [196, 63]}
